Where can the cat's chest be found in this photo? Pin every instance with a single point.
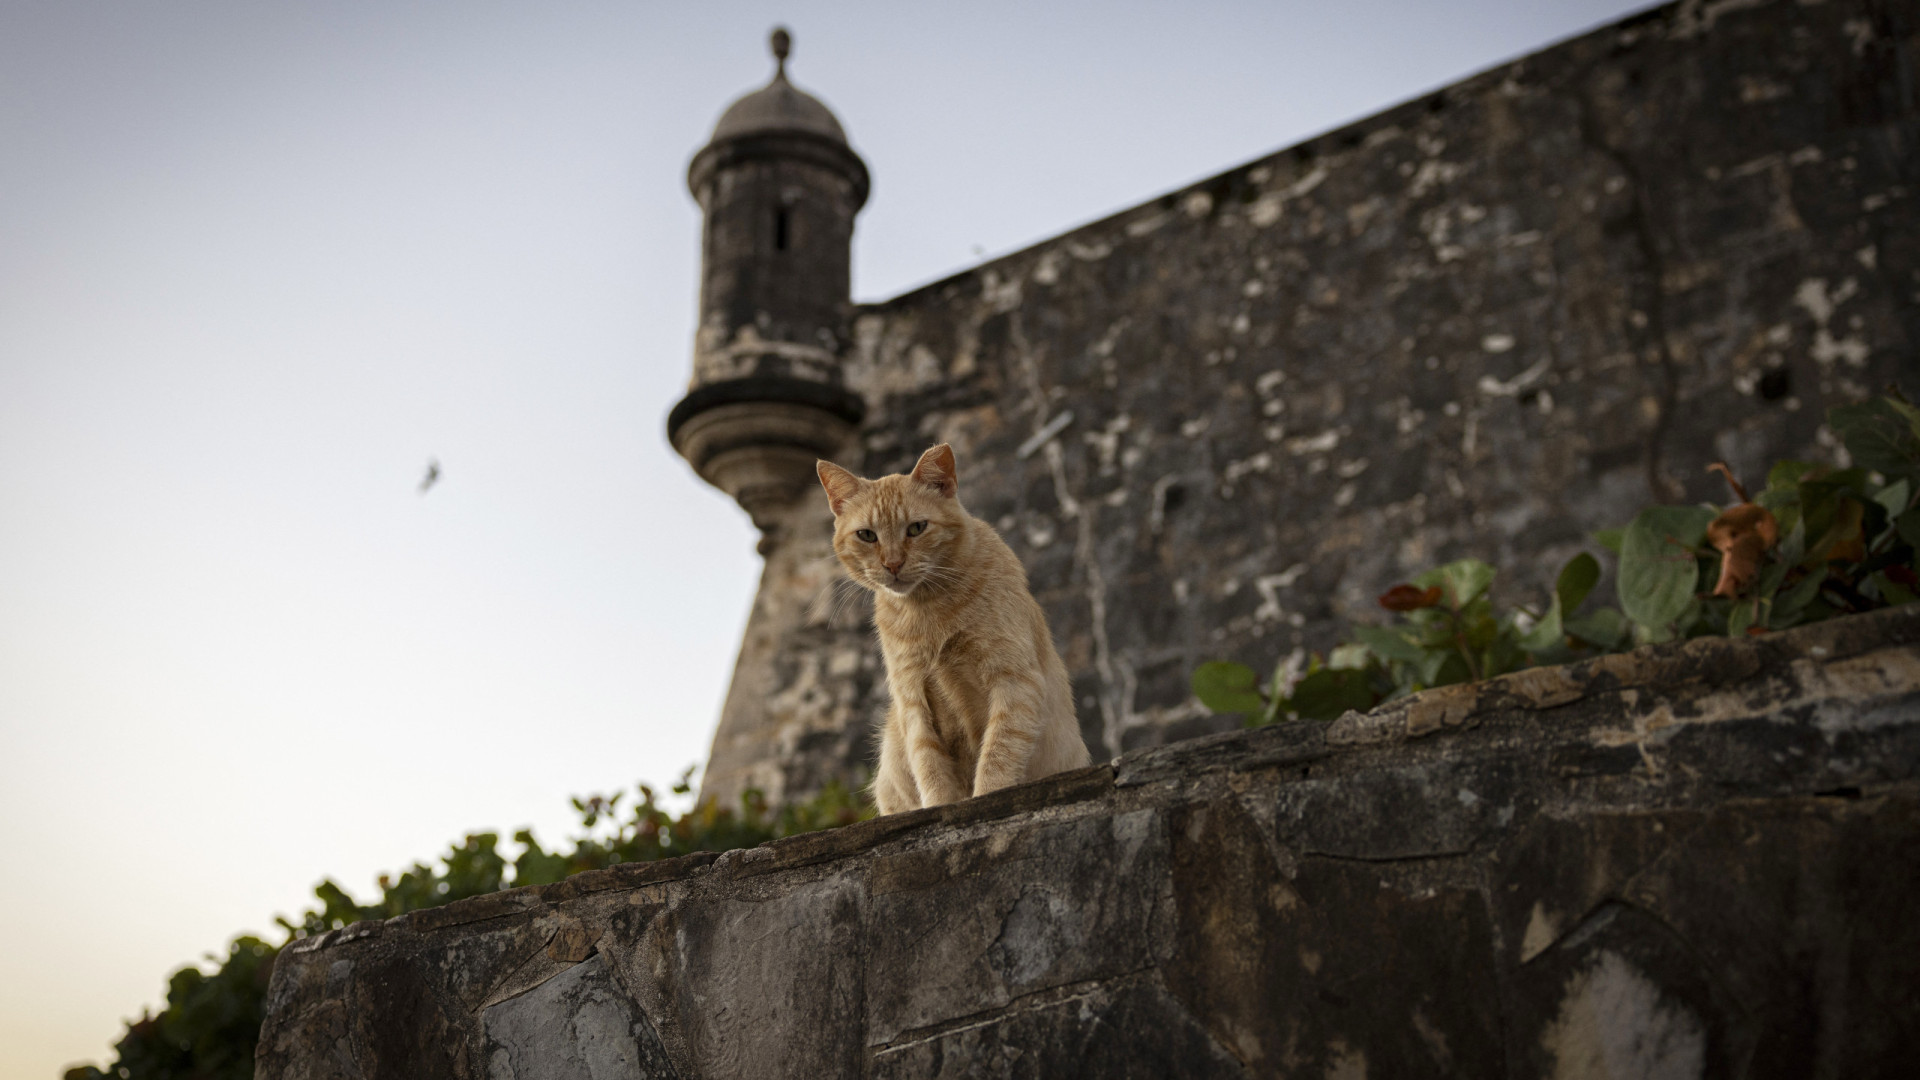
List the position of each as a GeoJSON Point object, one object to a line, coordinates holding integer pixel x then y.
{"type": "Point", "coordinates": [912, 638]}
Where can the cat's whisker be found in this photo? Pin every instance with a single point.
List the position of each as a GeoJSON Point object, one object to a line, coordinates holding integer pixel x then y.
{"type": "Point", "coordinates": [940, 575]}
{"type": "Point", "coordinates": [829, 599]}
{"type": "Point", "coordinates": [848, 598]}
{"type": "Point", "coordinates": [836, 601]}
{"type": "Point", "coordinates": [820, 608]}
{"type": "Point", "coordinates": [823, 565]}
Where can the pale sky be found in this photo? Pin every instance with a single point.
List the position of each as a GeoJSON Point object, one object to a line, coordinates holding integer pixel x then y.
{"type": "Point", "coordinates": [260, 262]}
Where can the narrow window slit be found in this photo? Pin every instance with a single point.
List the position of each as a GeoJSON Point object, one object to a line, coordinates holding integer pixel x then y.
{"type": "Point", "coordinates": [780, 229]}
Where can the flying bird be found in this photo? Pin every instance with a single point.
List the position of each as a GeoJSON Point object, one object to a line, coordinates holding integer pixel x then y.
{"type": "Point", "coordinates": [433, 475]}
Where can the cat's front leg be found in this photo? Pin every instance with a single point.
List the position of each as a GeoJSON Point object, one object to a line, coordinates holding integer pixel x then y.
{"type": "Point", "coordinates": [1013, 722]}
{"type": "Point", "coordinates": [893, 788]}
{"type": "Point", "coordinates": [935, 773]}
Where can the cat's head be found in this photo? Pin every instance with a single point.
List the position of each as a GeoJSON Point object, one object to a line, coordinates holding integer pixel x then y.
{"type": "Point", "coordinates": [898, 533]}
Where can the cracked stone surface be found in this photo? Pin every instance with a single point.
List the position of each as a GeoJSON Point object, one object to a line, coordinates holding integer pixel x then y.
{"type": "Point", "coordinates": [1691, 860]}
{"type": "Point", "coordinates": [575, 1026]}
{"type": "Point", "coordinates": [1484, 323]}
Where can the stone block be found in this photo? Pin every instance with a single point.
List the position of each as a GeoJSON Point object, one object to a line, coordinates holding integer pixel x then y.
{"type": "Point", "coordinates": [769, 981]}
{"type": "Point", "coordinates": [575, 1026]}
{"type": "Point", "coordinates": [958, 928]}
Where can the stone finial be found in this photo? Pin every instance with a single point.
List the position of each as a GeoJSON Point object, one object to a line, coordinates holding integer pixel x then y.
{"type": "Point", "coordinates": [782, 42]}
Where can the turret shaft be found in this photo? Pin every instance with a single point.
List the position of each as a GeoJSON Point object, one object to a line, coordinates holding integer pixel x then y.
{"type": "Point", "coordinates": [779, 188]}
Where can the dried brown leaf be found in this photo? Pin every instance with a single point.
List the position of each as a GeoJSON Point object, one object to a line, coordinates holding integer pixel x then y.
{"type": "Point", "coordinates": [1742, 534]}
{"type": "Point", "coordinates": [1721, 468]}
{"type": "Point", "coordinates": [1410, 597]}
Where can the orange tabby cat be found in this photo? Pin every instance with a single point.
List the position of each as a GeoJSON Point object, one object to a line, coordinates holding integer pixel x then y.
{"type": "Point", "coordinates": [980, 698]}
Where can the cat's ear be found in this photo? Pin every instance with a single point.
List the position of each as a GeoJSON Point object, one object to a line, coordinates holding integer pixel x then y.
{"type": "Point", "coordinates": [841, 485]}
{"type": "Point", "coordinates": [935, 469]}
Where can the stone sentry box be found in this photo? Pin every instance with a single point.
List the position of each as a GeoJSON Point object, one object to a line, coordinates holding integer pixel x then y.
{"type": "Point", "coordinates": [1691, 860]}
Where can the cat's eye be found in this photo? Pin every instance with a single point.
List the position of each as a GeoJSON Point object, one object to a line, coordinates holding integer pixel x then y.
{"type": "Point", "coordinates": [916, 528]}
{"type": "Point", "coordinates": [868, 535]}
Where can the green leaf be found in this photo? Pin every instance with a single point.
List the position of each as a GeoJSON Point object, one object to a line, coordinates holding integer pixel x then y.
{"type": "Point", "coordinates": [1227, 687]}
{"type": "Point", "coordinates": [1548, 632]}
{"type": "Point", "coordinates": [1447, 669]}
{"type": "Point", "coordinates": [1388, 643]}
{"type": "Point", "coordinates": [1327, 693]}
{"type": "Point", "coordinates": [1269, 714]}
{"type": "Point", "coordinates": [1464, 580]}
{"type": "Point", "coordinates": [1350, 657]}
{"type": "Point", "coordinates": [1842, 532]}
{"type": "Point", "coordinates": [1794, 548]}
{"type": "Point", "coordinates": [1789, 605]}
{"type": "Point", "coordinates": [1904, 408]}
{"type": "Point", "coordinates": [1690, 620]}
{"type": "Point", "coordinates": [1771, 578]}
{"type": "Point", "coordinates": [1894, 592]}
{"type": "Point", "coordinates": [1879, 436]}
{"type": "Point", "coordinates": [1276, 694]}
{"type": "Point", "coordinates": [1503, 656]}
{"type": "Point", "coordinates": [1658, 570]}
{"type": "Point", "coordinates": [1824, 496]}
{"type": "Point", "coordinates": [1894, 497]}
{"type": "Point", "coordinates": [1739, 617]}
{"type": "Point", "coordinates": [1577, 579]}
{"type": "Point", "coordinates": [1610, 539]}
{"type": "Point", "coordinates": [1909, 526]}
{"type": "Point", "coordinates": [1786, 509]}
{"type": "Point", "coordinates": [1785, 475]}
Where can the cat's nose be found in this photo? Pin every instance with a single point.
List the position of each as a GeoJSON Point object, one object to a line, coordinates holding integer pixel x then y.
{"type": "Point", "coordinates": [894, 567]}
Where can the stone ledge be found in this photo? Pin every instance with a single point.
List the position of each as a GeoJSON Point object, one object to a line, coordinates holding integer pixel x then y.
{"type": "Point", "coordinates": [1714, 661]}
{"type": "Point", "coordinates": [1709, 662]}
{"type": "Point", "coordinates": [1700, 839]}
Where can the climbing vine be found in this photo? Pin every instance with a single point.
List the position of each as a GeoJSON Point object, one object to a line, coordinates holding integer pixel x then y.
{"type": "Point", "coordinates": [1817, 542]}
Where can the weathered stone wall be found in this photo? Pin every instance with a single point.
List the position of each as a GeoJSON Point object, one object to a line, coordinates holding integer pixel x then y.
{"type": "Point", "coordinates": [1483, 323]}
{"type": "Point", "coordinates": [1693, 860]}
